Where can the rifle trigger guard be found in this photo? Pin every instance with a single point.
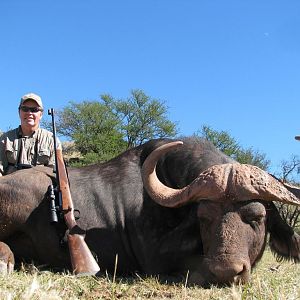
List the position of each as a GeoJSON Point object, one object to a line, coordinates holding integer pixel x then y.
{"type": "Point", "coordinates": [77, 211]}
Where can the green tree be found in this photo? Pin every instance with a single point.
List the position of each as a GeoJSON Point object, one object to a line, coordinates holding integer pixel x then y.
{"type": "Point", "coordinates": [102, 129]}
{"type": "Point", "coordinates": [94, 129]}
{"type": "Point", "coordinates": [227, 144]}
{"type": "Point", "coordinates": [142, 117]}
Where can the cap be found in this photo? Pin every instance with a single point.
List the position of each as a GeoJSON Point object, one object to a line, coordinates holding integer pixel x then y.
{"type": "Point", "coordinates": [34, 97]}
{"type": "Point", "coordinates": [297, 137]}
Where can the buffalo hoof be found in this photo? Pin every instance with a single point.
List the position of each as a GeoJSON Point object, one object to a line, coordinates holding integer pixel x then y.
{"type": "Point", "coordinates": [7, 260]}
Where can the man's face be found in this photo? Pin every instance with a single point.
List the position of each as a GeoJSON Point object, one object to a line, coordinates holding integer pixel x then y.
{"type": "Point", "coordinates": [30, 120]}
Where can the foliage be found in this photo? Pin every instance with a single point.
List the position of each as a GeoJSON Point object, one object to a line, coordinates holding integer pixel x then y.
{"type": "Point", "coordinates": [102, 129]}
{"type": "Point", "coordinates": [94, 129]}
{"type": "Point", "coordinates": [142, 118]}
{"type": "Point", "coordinates": [227, 144]}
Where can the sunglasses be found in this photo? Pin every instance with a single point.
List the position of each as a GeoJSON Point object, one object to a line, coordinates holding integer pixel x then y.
{"type": "Point", "coordinates": [30, 109]}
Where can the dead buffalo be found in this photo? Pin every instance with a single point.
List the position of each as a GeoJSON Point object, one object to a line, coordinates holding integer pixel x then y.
{"type": "Point", "coordinates": [188, 209]}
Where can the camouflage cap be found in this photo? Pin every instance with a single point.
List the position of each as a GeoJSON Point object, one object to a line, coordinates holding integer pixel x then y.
{"type": "Point", "coordinates": [34, 97]}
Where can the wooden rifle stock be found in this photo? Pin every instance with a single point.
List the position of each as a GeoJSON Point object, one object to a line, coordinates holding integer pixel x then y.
{"type": "Point", "coordinates": [82, 260]}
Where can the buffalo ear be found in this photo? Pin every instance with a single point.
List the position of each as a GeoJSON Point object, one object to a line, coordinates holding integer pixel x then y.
{"type": "Point", "coordinates": [284, 241]}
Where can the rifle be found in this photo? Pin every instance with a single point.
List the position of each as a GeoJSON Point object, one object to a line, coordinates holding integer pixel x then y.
{"type": "Point", "coordinates": [82, 260]}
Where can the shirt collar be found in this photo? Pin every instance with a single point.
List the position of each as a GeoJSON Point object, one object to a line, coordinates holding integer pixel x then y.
{"type": "Point", "coordinates": [20, 133]}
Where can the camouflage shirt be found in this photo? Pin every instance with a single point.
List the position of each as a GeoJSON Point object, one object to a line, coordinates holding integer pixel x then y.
{"type": "Point", "coordinates": [36, 149]}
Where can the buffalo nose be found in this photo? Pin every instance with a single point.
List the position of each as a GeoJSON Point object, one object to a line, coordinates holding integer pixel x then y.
{"type": "Point", "coordinates": [230, 272]}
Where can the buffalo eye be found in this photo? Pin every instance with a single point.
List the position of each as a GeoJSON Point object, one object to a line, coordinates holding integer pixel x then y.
{"type": "Point", "coordinates": [257, 221]}
{"type": "Point", "coordinates": [253, 219]}
{"type": "Point", "coordinates": [253, 214]}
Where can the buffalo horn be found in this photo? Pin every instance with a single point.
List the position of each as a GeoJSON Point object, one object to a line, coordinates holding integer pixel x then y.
{"type": "Point", "coordinates": [224, 182]}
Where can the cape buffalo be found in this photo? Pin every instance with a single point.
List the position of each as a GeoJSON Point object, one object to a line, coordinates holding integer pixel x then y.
{"type": "Point", "coordinates": [162, 207]}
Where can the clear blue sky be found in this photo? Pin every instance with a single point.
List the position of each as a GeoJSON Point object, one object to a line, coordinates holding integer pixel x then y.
{"type": "Point", "coordinates": [233, 65]}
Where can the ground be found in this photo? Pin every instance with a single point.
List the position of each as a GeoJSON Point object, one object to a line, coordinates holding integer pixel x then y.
{"type": "Point", "coordinates": [270, 280]}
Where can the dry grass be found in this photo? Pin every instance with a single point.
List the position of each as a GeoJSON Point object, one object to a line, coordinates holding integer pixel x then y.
{"type": "Point", "coordinates": [270, 280]}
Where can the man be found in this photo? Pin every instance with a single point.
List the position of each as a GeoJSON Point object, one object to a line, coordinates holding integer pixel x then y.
{"type": "Point", "coordinates": [28, 145]}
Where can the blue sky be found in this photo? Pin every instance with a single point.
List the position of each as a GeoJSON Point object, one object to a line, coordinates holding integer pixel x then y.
{"type": "Point", "coordinates": [232, 65]}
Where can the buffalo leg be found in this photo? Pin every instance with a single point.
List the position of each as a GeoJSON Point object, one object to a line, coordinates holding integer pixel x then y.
{"type": "Point", "coordinates": [7, 260]}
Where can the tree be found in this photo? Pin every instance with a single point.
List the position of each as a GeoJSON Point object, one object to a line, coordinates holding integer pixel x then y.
{"type": "Point", "coordinates": [142, 117]}
{"type": "Point", "coordinates": [289, 171]}
{"type": "Point", "coordinates": [227, 144]}
{"type": "Point", "coordinates": [94, 129]}
{"type": "Point", "coordinates": [102, 129]}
